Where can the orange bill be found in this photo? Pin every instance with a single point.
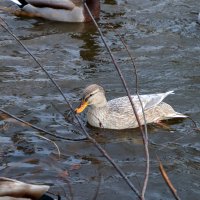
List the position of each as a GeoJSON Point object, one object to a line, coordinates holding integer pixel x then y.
{"type": "Point", "coordinates": [82, 107]}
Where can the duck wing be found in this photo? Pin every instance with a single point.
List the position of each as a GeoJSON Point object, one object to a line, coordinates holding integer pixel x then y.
{"type": "Point", "coordinates": [57, 4]}
{"type": "Point", "coordinates": [152, 100]}
{"type": "Point", "coordinates": [122, 104]}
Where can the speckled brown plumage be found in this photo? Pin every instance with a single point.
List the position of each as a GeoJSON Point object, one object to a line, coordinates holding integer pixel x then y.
{"type": "Point", "coordinates": [118, 113]}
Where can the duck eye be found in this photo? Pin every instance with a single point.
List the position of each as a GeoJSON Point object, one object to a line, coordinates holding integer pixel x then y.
{"type": "Point", "coordinates": [86, 99]}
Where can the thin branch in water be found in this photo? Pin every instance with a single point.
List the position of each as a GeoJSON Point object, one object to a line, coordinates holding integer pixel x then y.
{"type": "Point", "coordinates": [166, 144]}
{"type": "Point", "coordinates": [70, 190]}
{"type": "Point", "coordinates": [38, 128]}
{"type": "Point", "coordinates": [136, 79]}
{"type": "Point", "coordinates": [63, 125]}
{"type": "Point", "coordinates": [71, 196]}
{"type": "Point", "coordinates": [144, 135]}
{"type": "Point", "coordinates": [92, 140]}
{"type": "Point", "coordinates": [132, 59]}
{"type": "Point", "coordinates": [167, 180]}
{"type": "Point", "coordinates": [195, 124]}
{"type": "Point", "coordinates": [145, 140]}
{"type": "Point", "coordinates": [43, 138]}
{"type": "Point", "coordinates": [98, 188]}
{"type": "Point", "coordinates": [51, 142]}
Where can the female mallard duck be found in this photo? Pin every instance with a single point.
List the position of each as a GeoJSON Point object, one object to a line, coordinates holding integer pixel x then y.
{"type": "Point", "coordinates": [13, 189]}
{"type": "Point", "coordinates": [59, 10]}
{"type": "Point", "coordinates": [118, 113]}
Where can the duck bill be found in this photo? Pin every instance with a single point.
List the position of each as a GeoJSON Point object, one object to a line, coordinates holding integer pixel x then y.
{"type": "Point", "coordinates": [82, 107]}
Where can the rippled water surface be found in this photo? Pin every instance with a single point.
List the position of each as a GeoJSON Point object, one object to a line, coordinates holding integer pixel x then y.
{"type": "Point", "coordinates": [164, 38]}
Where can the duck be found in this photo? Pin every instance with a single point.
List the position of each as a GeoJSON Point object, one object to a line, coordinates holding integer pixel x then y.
{"type": "Point", "coordinates": [62, 10]}
{"type": "Point", "coordinates": [118, 113]}
{"type": "Point", "coordinates": [11, 189]}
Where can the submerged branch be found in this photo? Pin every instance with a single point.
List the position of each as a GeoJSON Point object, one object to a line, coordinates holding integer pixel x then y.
{"type": "Point", "coordinates": [167, 180]}
{"type": "Point", "coordinates": [38, 128]}
{"type": "Point", "coordinates": [98, 188]}
{"type": "Point", "coordinates": [28, 124]}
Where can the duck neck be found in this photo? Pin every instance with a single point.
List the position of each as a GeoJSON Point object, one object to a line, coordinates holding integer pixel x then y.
{"type": "Point", "coordinates": [94, 7]}
{"type": "Point", "coordinates": [100, 104]}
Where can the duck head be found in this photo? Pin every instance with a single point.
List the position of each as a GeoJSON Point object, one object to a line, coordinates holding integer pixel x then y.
{"type": "Point", "coordinates": [94, 96]}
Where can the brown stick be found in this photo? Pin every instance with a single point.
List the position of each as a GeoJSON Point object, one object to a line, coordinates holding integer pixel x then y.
{"type": "Point", "coordinates": [145, 137]}
{"type": "Point", "coordinates": [167, 180]}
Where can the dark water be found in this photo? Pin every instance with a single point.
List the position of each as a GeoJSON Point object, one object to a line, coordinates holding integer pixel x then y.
{"type": "Point", "coordinates": [164, 39]}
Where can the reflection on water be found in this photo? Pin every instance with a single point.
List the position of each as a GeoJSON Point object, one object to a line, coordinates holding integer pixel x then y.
{"type": "Point", "coordinates": [164, 39]}
{"type": "Point", "coordinates": [90, 48]}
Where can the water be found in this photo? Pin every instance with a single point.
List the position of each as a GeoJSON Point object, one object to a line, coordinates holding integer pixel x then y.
{"type": "Point", "coordinates": [164, 39]}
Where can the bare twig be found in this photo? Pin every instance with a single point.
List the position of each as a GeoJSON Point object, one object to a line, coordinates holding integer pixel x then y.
{"type": "Point", "coordinates": [38, 128]}
{"type": "Point", "coordinates": [144, 135]}
{"type": "Point", "coordinates": [70, 196]}
{"type": "Point", "coordinates": [98, 188]}
{"type": "Point", "coordinates": [52, 142]}
{"type": "Point", "coordinates": [167, 180]}
{"type": "Point", "coordinates": [70, 190]}
{"type": "Point", "coordinates": [194, 123]}
{"type": "Point", "coordinates": [132, 60]}
{"type": "Point", "coordinates": [145, 140]}
{"type": "Point", "coordinates": [166, 144]}
{"type": "Point", "coordinates": [92, 140]}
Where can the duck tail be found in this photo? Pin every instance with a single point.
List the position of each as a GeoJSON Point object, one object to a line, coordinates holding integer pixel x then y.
{"type": "Point", "coordinates": [20, 3]}
{"type": "Point", "coordinates": [164, 95]}
{"type": "Point", "coordinates": [176, 115]}
{"type": "Point", "coordinates": [169, 92]}
{"type": "Point", "coordinates": [154, 100]}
